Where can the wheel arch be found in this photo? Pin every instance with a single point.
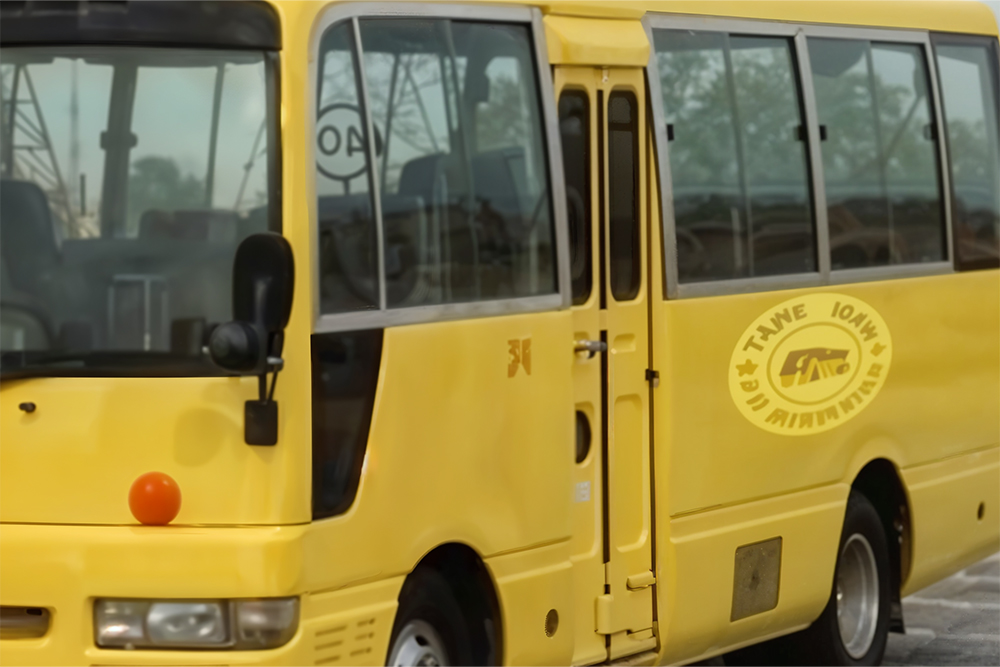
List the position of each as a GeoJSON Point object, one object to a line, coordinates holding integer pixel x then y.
{"type": "Point", "coordinates": [475, 590]}
{"type": "Point", "coordinates": [880, 482]}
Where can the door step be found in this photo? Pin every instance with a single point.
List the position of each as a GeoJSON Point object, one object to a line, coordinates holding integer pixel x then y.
{"type": "Point", "coordinates": [644, 658]}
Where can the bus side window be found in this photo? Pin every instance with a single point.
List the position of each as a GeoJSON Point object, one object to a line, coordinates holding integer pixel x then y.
{"type": "Point", "coordinates": [742, 200]}
{"type": "Point", "coordinates": [464, 188]}
{"type": "Point", "coordinates": [880, 159]}
{"type": "Point", "coordinates": [347, 234]}
{"type": "Point", "coordinates": [968, 75]}
{"type": "Point", "coordinates": [574, 130]}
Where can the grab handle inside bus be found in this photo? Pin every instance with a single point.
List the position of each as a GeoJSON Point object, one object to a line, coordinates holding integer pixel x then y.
{"type": "Point", "coordinates": [251, 344]}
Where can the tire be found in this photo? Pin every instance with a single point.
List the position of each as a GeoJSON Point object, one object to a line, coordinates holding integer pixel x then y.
{"type": "Point", "coordinates": [860, 600]}
{"type": "Point", "coordinates": [430, 628]}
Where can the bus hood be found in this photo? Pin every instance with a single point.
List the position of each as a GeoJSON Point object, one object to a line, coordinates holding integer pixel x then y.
{"type": "Point", "coordinates": [73, 458]}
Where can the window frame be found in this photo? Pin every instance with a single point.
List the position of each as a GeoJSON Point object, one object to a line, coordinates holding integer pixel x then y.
{"type": "Point", "coordinates": [384, 316]}
{"type": "Point", "coordinates": [992, 46]}
{"type": "Point", "coordinates": [798, 33]}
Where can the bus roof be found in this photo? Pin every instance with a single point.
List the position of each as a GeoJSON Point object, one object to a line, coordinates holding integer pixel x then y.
{"type": "Point", "coordinates": [965, 16]}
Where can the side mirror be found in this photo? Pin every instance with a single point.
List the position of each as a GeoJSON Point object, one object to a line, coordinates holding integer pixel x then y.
{"type": "Point", "coordinates": [263, 280]}
{"type": "Point", "coordinates": [263, 283]}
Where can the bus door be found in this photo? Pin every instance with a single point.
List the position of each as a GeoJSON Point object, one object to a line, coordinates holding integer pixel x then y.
{"type": "Point", "coordinates": [602, 125]}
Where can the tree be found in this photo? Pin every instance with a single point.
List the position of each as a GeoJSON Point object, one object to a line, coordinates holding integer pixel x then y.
{"type": "Point", "coordinates": [157, 183]}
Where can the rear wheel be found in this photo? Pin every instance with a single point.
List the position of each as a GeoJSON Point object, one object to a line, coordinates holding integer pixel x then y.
{"type": "Point", "coordinates": [854, 625]}
{"type": "Point", "coordinates": [857, 596]}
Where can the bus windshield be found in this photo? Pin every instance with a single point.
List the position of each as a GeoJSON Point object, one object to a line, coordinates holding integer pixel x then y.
{"type": "Point", "coordinates": [129, 177]}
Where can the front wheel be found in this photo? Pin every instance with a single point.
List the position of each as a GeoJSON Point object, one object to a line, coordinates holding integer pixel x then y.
{"type": "Point", "coordinates": [430, 628]}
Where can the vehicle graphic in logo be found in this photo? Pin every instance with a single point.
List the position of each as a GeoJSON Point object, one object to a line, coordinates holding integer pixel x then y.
{"type": "Point", "coordinates": [813, 364]}
{"type": "Point", "coordinates": [810, 364]}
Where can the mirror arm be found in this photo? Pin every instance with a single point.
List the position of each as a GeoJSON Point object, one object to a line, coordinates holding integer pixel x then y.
{"type": "Point", "coordinates": [261, 416]}
{"type": "Point", "coordinates": [274, 364]}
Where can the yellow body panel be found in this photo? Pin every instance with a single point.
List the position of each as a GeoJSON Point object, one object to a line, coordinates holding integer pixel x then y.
{"type": "Point", "coordinates": [460, 452]}
{"type": "Point", "coordinates": [530, 584]}
{"type": "Point", "coordinates": [94, 436]}
{"type": "Point", "coordinates": [809, 525]}
{"type": "Point", "coordinates": [946, 497]}
{"type": "Point", "coordinates": [939, 341]}
{"type": "Point", "coordinates": [572, 40]}
{"type": "Point", "coordinates": [445, 465]}
{"type": "Point", "coordinates": [941, 399]}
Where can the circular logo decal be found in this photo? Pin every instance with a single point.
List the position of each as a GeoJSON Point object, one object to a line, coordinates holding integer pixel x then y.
{"type": "Point", "coordinates": [810, 364]}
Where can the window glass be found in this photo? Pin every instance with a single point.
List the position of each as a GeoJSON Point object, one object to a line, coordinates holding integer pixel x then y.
{"type": "Point", "coordinates": [129, 177]}
{"type": "Point", "coordinates": [574, 129]}
{"type": "Point", "coordinates": [739, 165]}
{"type": "Point", "coordinates": [72, 172]}
{"type": "Point", "coordinates": [175, 135]}
{"type": "Point", "coordinates": [464, 185]}
{"type": "Point", "coordinates": [879, 157]}
{"type": "Point", "coordinates": [969, 92]}
{"type": "Point", "coordinates": [348, 257]}
{"type": "Point", "coordinates": [623, 195]}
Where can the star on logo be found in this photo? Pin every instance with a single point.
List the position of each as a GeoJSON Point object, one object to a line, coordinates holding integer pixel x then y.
{"type": "Point", "coordinates": [877, 349]}
{"type": "Point", "coordinates": [747, 368]}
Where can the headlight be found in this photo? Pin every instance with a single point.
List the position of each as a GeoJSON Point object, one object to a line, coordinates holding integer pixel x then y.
{"type": "Point", "coordinates": [266, 623]}
{"type": "Point", "coordinates": [207, 624]}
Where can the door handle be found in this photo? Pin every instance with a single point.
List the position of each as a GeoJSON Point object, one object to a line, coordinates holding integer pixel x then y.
{"type": "Point", "coordinates": [591, 347]}
{"type": "Point", "coordinates": [639, 581]}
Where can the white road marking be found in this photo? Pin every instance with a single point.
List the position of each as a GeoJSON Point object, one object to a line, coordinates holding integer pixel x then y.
{"type": "Point", "coordinates": [954, 604]}
{"type": "Point", "coordinates": [978, 578]}
{"type": "Point", "coordinates": [921, 632]}
{"type": "Point", "coordinates": [972, 636]}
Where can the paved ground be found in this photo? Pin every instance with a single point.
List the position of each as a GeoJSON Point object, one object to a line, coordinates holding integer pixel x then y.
{"type": "Point", "coordinates": [953, 622]}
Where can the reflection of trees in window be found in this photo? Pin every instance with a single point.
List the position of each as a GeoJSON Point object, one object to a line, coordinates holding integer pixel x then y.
{"type": "Point", "coordinates": [463, 198]}
{"type": "Point", "coordinates": [880, 160]}
{"type": "Point", "coordinates": [768, 108]}
{"type": "Point", "coordinates": [973, 159]}
{"type": "Point", "coordinates": [696, 101]}
{"type": "Point", "coordinates": [740, 177]}
{"type": "Point", "coordinates": [156, 183]}
{"type": "Point", "coordinates": [968, 91]}
{"type": "Point", "coordinates": [414, 122]}
{"type": "Point", "coordinates": [501, 120]}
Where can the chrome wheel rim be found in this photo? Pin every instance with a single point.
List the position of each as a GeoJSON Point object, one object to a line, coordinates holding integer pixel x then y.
{"type": "Point", "coordinates": [418, 645]}
{"type": "Point", "coordinates": [857, 596]}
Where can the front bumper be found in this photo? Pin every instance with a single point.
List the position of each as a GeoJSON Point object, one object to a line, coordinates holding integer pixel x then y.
{"type": "Point", "coordinates": [63, 568]}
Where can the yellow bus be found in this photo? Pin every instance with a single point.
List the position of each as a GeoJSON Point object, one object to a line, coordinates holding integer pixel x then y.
{"type": "Point", "coordinates": [553, 332]}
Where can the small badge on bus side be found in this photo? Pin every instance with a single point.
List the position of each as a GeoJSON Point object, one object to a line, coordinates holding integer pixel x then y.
{"type": "Point", "coordinates": [810, 364]}
{"type": "Point", "coordinates": [519, 352]}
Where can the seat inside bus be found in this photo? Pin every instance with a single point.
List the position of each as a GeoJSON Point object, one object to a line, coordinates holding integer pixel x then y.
{"type": "Point", "coordinates": [446, 219]}
{"type": "Point", "coordinates": [27, 236]}
{"type": "Point", "coordinates": [119, 293]}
